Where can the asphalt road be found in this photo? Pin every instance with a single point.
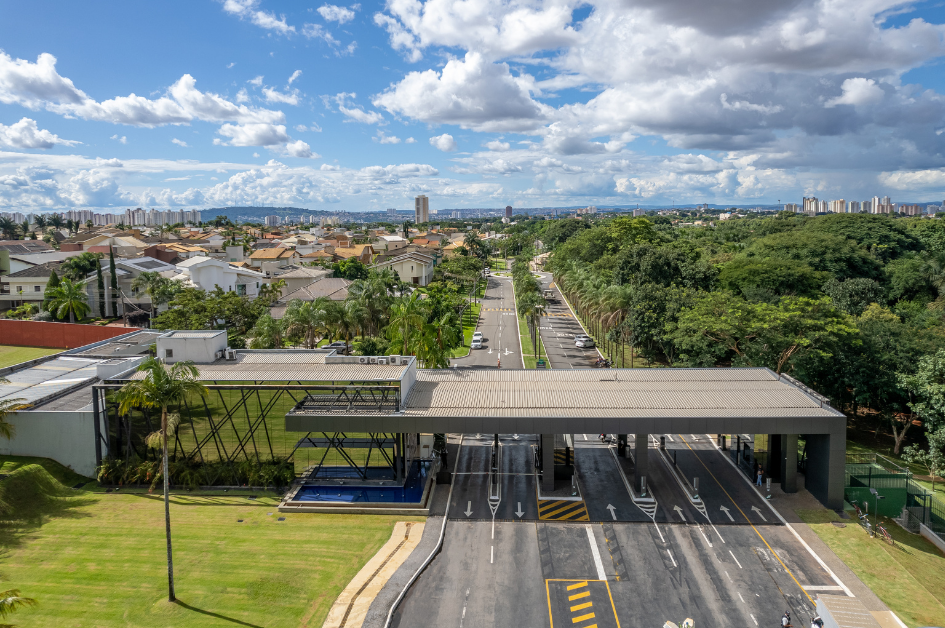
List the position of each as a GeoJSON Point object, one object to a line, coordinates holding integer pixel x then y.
{"type": "Point", "coordinates": [499, 326]}
{"type": "Point", "coordinates": [558, 328]}
{"type": "Point", "coordinates": [726, 560]}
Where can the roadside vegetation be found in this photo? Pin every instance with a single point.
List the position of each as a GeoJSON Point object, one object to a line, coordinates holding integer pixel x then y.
{"type": "Point", "coordinates": [908, 577]}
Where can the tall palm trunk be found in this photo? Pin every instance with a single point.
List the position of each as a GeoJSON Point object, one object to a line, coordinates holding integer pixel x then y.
{"type": "Point", "coordinates": [167, 512]}
{"type": "Point", "coordinates": [71, 315]}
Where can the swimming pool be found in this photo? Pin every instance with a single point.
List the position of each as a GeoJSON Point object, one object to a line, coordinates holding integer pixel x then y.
{"type": "Point", "coordinates": [410, 493]}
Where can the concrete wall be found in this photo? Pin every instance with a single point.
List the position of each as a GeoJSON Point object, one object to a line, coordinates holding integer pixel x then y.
{"type": "Point", "coordinates": [66, 437]}
{"type": "Point", "coordinates": [931, 536]}
{"type": "Point", "coordinates": [826, 460]}
{"type": "Point", "coordinates": [197, 350]}
{"type": "Point", "coordinates": [55, 335]}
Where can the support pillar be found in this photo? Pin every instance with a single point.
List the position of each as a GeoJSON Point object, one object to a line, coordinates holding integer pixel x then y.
{"type": "Point", "coordinates": [826, 460]}
{"type": "Point", "coordinates": [775, 454]}
{"type": "Point", "coordinates": [622, 445]}
{"type": "Point", "coordinates": [789, 463]}
{"type": "Point", "coordinates": [548, 462]}
{"type": "Point", "coordinates": [640, 459]}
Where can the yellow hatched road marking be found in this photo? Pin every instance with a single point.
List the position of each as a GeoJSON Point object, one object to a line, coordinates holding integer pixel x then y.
{"type": "Point", "coordinates": [578, 620]}
{"type": "Point", "coordinates": [578, 596]}
{"type": "Point", "coordinates": [581, 607]}
{"type": "Point", "coordinates": [572, 587]}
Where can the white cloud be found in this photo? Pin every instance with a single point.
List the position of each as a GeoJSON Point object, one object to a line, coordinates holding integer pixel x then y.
{"type": "Point", "coordinates": [254, 134]}
{"type": "Point", "coordinates": [317, 31]}
{"type": "Point", "coordinates": [299, 148]}
{"type": "Point", "coordinates": [383, 138]}
{"type": "Point", "coordinates": [301, 128]}
{"type": "Point", "coordinates": [294, 76]}
{"type": "Point", "coordinates": [742, 105]}
{"type": "Point", "coordinates": [25, 134]}
{"type": "Point", "coordinates": [911, 180]}
{"type": "Point", "coordinates": [333, 13]}
{"type": "Point", "coordinates": [360, 115]}
{"type": "Point", "coordinates": [497, 145]}
{"type": "Point", "coordinates": [857, 92]}
{"type": "Point", "coordinates": [410, 140]}
{"type": "Point", "coordinates": [242, 95]}
{"type": "Point", "coordinates": [180, 143]}
{"type": "Point", "coordinates": [472, 93]}
{"type": "Point", "coordinates": [444, 142]}
{"type": "Point", "coordinates": [123, 139]}
{"type": "Point", "coordinates": [257, 81]}
{"type": "Point", "coordinates": [273, 95]}
{"type": "Point", "coordinates": [229, 66]}
{"type": "Point", "coordinates": [248, 10]}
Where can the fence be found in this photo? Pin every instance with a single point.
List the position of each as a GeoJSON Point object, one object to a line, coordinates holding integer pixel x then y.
{"type": "Point", "coordinates": [890, 481]}
{"type": "Point", "coordinates": [56, 335]}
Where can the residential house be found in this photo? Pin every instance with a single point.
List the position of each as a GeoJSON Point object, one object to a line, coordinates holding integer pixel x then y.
{"type": "Point", "coordinates": [297, 277]}
{"type": "Point", "coordinates": [126, 271]}
{"type": "Point", "coordinates": [389, 243]}
{"type": "Point", "coordinates": [362, 252]}
{"type": "Point", "coordinates": [26, 286]}
{"type": "Point", "coordinates": [186, 251]}
{"type": "Point", "coordinates": [333, 288]}
{"type": "Point", "coordinates": [268, 260]}
{"type": "Point", "coordinates": [207, 273]}
{"type": "Point", "coordinates": [414, 267]}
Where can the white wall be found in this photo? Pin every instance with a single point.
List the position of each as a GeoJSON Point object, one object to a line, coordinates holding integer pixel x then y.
{"type": "Point", "coordinates": [197, 350]}
{"type": "Point", "coordinates": [66, 437]}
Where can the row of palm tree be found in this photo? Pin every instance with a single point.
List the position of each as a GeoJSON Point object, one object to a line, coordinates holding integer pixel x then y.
{"type": "Point", "coordinates": [528, 298]}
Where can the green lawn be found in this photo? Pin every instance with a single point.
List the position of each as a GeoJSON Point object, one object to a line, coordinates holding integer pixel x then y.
{"type": "Point", "coordinates": [531, 360]}
{"type": "Point", "coordinates": [498, 263]}
{"type": "Point", "coordinates": [470, 320]}
{"type": "Point", "coordinates": [909, 578]}
{"type": "Point", "coordinates": [92, 559]}
{"type": "Point", "coordinates": [857, 446]}
{"type": "Point", "coordinates": [14, 355]}
{"type": "Point", "coordinates": [64, 475]}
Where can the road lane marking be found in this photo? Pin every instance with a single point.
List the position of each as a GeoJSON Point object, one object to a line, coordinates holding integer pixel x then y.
{"type": "Point", "coordinates": [763, 540]}
{"type": "Point", "coordinates": [736, 560]}
{"type": "Point", "coordinates": [613, 511]}
{"type": "Point", "coordinates": [579, 585]}
{"type": "Point", "coordinates": [741, 598]}
{"type": "Point", "coordinates": [578, 596]}
{"type": "Point", "coordinates": [671, 558]}
{"type": "Point", "coordinates": [581, 607]}
{"type": "Point", "coordinates": [727, 513]}
{"type": "Point", "coordinates": [578, 620]}
{"type": "Point", "coordinates": [491, 554]}
{"type": "Point", "coordinates": [753, 618]}
{"type": "Point", "coordinates": [679, 512]}
{"type": "Point", "coordinates": [822, 588]}
{"type": "Point", "coordinates": [758, 512]}
{"type": "Point", "coordinates": [595, 553]}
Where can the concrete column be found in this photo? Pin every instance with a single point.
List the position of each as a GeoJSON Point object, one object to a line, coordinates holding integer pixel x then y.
{"type": "Point", "coordinates": [775, 455]}
{"type": "Point", "coordinates": [548, 462]}
{"type": "Point", "coordinates": [789, 463]}
{"type": "Point", "coordinates": [640, 460]}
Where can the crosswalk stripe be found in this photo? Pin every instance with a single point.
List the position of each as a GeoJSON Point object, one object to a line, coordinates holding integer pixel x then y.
{"type": "Point", "coordinates": [581, 607]}
{"type": "Point", "coordinates": [579, 585]}
{"type": "Point", "coordinates": [578, 596]}
{"type": "Point", "coordinates": [578, 620]}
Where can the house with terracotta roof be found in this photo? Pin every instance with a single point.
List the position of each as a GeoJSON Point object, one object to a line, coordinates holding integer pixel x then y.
{"type": "Point", "coordinates": [267, 260]}
{"type": "Point", "coordinates": [362, 252]}
{"type": "Point", "coordinates": [333, 288]}
{"type": "Point", "coordinates": [318, 256]}
{"type": "Point", "coordinates": [27, 285]}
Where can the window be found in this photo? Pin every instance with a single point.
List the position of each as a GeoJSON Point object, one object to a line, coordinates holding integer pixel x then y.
{"type": "Point", "coordinates": [241, 289]}
{"type": "Point", "coordinates": [168, 353]}
{"type": "Point", "coordinates": [19, 289]}
{"type": "Point", "coordinates": [37, 288]}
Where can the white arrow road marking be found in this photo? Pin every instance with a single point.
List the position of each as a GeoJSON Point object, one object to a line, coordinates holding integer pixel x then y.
{"type": "Point", "coordinates": [490, 350]}
{"type": "Point", "coordinates": [755, 508]}
{"type": "Point", "coordinates": [519, 512]}
{"type": "Point", "coordinates": [613, 511]}
{"type": "Point", "coordinates": [725, 510]}
{"type": "Point", "coordinates": [679, 512]}
{"type": "Point", "coordinates": [493, 506]}
{"type": "Point", "coordinates": [468, 508]}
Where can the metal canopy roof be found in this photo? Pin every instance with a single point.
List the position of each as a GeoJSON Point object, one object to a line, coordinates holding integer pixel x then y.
{"type": "Point", "coordinates": [584, 400]}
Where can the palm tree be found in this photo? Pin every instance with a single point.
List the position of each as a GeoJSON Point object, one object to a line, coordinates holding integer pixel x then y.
{"type": "Point", "coordinates": [306, 321]}
{"type": "Point", "coordinates": [406, 320]}
{"type": "Point", "coordinates": [40, 220]}
{"type": "Point", "coordinates": [88, 225]}
{"type": "Point", "coordinates": [266, 333]}
{"type": "Point", "coordinates": [8, 228]}
{"type": "Point", "coordinates": [158, 288]}
{"type": "Point", "coordinates": [160, 388]}
{"type": "Point", "coordinates": [10, 601]}
{"type": "Point", "coordinates": [68, 298]}
{"type": "Point", "coordinates": [56, 221]}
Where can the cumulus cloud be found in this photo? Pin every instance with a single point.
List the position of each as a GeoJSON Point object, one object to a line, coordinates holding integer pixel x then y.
{"type": "Point", "coordinates": [497, 145]}
{"type": "Point", "coordinates": [920, 179]}
{"type": "Point", "coordinates": [26, 134]}
{"type": "Point", "coordinates": [299, 148]}
{"type": "Point", "coordinates": [123, 139]}
{"type": "Point", "coordinates": [410, 140]}
{"type": "Point", "coordinates": [249, 10]}
{"type": "Point", "coordinates": [354, 112]}
{"type": "Point", "coordinates": [444, 142]}
{"type": "Point", "coordinates": [333, 13]}
{"type": "Point", "coordinates": [180, 143]}
{"type": "Point", "coordinates": [471, 92]}
{"type": "Point", "coordinates": [255, 134]}
{"type": "Point", "coordinates": [273, 95]}
{"type": "Point", "coordinates": [383, 138]}
{"type": "Point", "coordinates": [857, 91]}
{"type": "Point", "coordinates": [295, 75]}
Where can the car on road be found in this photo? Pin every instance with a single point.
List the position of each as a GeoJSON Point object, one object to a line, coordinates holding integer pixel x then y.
{"type": "Point", "coordinates": [487, 272]}
{"type": "Point", "coordinates": [476, 342]}
{"type": "Point", "coordinates": [340, 347]}
{"type": "Point", "coordinates": [583, 341]}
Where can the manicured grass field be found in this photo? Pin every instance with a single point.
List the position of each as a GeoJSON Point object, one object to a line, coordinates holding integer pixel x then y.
{"type": "Point", "coordinates": [14, 355]}
{"type": "Point", "coordinates": [94, 559]}
{"type": "Point", "coordinates": [909, 578]}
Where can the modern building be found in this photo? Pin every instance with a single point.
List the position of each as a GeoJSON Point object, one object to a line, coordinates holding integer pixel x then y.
{"type": "Point", "coordinates": [413, 267]}
{"type": "Point", "coordinates": [508, 212]}
{"type": "Point", "coordinates": [838, 206]}
{"type": "Point", "coordinates": [854, 207]}
{"type": "Point", "coordinates": [421, 209]}
{"type": "Point", "coordinates": [811, 205]}
{"type": "Point", "coordinates": [792, 207]}
{"type": "Point", "coordinates": [910, 210]}
{"type": "Point", "coordinates": [208, 274]}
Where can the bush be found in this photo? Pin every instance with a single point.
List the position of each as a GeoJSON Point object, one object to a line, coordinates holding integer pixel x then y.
{"type": "Point", "coordinates": [274, 472]}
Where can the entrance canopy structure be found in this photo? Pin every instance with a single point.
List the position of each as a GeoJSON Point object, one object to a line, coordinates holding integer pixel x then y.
{"type": "Point", "coordinates": [618, 401]}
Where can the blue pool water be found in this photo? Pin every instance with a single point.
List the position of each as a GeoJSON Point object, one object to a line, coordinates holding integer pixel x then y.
{"type": "Point", "coordinates": [411, 492]}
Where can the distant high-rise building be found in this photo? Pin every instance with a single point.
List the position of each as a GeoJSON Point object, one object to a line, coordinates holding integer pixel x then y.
{"type": "Point", "coordinates": [823, 207]}
{"type": "Point", "coordinates": [910, 210]}
{"type": "Point", "coordinates": [792, 207]}
{"type": "Point", "coordinates": [272, 221]}
{"type": "Point", "coordinates": [421, 209]}
{"type": "Point", "coordinates": [392, 213]}
{"type": "Point", "coordinates": [810, 205]}
{"type": "Point", "coordinates": [639, 212]}
{"type": "Point", "coordinates": [838, 206]}
{"type": "Point", "coordinates": [874, 205]}
{"type": "Point", "coordinates": [854, 207]}
{"type": "Point", "coordinates": [508, 211]}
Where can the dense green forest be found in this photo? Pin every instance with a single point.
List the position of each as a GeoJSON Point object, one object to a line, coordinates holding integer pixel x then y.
{"type": "Point", "coordinates": [850, 304]}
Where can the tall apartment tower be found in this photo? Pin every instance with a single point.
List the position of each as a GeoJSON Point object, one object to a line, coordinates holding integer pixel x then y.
{"type": "Point", "coordinates": [421, 209]}
{"type": "Point", "coordinates": [508, 212]}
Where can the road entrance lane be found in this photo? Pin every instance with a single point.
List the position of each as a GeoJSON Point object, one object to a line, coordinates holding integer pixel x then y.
{"type": "Point", "coordinates": [517, 478]}
{"type": "Point", "coordinates": [601, 484]}
{"type": "Point", "coordinates": [499, 326]}
{"type": "Point", "coordinates": [558, 328]}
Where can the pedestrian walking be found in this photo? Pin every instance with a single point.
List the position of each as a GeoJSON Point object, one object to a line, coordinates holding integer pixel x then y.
{"type": "Point", "coordinates": [786, 620]}
{"type": "Point", "coordinates": [759, 474]}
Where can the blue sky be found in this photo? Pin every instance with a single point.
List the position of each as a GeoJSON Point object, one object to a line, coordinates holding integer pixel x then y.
{"type": "Point", "coordinates": [476, 103]}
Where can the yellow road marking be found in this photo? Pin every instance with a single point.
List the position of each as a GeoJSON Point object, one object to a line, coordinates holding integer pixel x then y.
{"type": "Point", "coordinates": [578, 620]}
{"type": "Point", "coordinates": [612, 607]}
{"type": "Point", "coordinates": [749, 521]}
{"type": "Point", "coordinates": [572, 587]}
{"type": "Point", "coordinates": [581, 607]}
{"type": "Point", "coordinates": [578, 596]}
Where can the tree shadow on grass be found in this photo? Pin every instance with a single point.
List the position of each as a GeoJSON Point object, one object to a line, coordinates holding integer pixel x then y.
{"type": "Point", "coordinates": [216, 615]}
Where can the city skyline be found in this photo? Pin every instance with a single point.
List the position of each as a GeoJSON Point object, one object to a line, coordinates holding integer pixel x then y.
{"type": "Point", "coordinates": [364, 107]}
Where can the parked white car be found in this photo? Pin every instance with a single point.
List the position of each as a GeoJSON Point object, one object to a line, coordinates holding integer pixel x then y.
{"type": "Point", "coordinates": [476, 342]}
{"type": "Point", "coordinates": [583, 341]}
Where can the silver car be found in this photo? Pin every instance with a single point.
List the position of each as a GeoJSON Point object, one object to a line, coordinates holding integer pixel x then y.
{"type": "Point", "coordinates": [583, 341]}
